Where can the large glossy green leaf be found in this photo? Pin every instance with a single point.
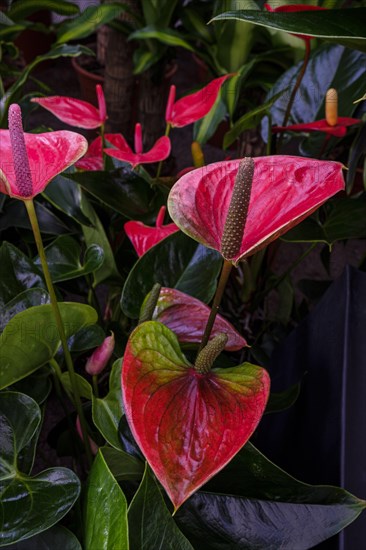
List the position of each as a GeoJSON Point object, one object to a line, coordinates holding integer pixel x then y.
{"type": "Point", "coordinates": [66, 196]}
{"type": "Point", "coordinates": [176, 262]}
{"type": "Point", "coordinates": [18, 274]}
{"type": "Point", "coordinates": [330, 66]}
{"type": "Point", "coordinates": [85, 389]}
{"type": "Point", "coordinates": [205, 128]}
{"type": "Point", "coordinates": [123, 465]}
{"type": "Point", "coordinates": [55, 538]}
{"type": "Point", "coordinates": [29, 505]}
{"type": "Point", "coordinates": [63, 259]}
{"type": "Point", "coordinates": [88, 22]}
{"type": "Point", "coordinates": [345, 219]}
{"type": "Point", "coordinates": [37, 385]}
{"type": "Point", "coordinates": [31, 338]}
{"type": "Point", "coordinates": [24, 300]}
{"type": "Point", "coordinates": [106, 525]}
{"type": "Point", "coordinates": [97, 235]}
{"type": "Point", "coordinates": [150, 522]}
{"type": "Point", "coordinates": [122, 190]}
{"type": "Point", "coordinates": [15, 215]}
{"type": "Point", "coordinates": [340, 26]}
{"type": "Point", "coordinates": [107, 412]}
{"type": "Point", "coordinates": [254, 504]}
{"type": "Point", "coordinates": [357, 151]}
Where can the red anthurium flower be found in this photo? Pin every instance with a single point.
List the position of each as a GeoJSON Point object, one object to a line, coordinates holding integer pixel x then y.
{"type": "Point", "coordinates": [144, 237]}
{"type": "Point", "coordinates": [93, 159]}
{"type": "Point", "coordinates": [187, 318]}
{"type": "Point", "coordinates": [295, 8]}
{"type": "Point", "coordinates": [188, 423]}
{"type": "Point", "coordinates": [159, 151]}
{"type": "Point", "coordinates": [192, 107]}
{"type": "Point", "coordinates": [28, 162]}
{"type": "Point", "coordinates": [75, 111]}
{"type": "Point", "coordinates": [339, 130]}
{"type": "Point", "coordinates": [285, 190]}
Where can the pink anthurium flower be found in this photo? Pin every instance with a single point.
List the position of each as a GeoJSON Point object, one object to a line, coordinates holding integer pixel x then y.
{"type": "Point", "coordinates": [285, 190]}
{"type": "Point", "coordinates": [144, 237]}
{"type": "Point", "coordinates": [291, 8]}
{"type": "Point", "coordinates": [188, 421]}
{"type": "Point", "coordinates": [26, 170]}
{"type": "Point", "coordinates": [160, 150]}
{"type": "Point", "coordinates": [93, 159]}
{"type": "Point", "coordinates": [192, 107]}
{"type": "Point", "coordinates": [187, 318]}
{"type": "Point", "coordinates": [339, 130]}
{"type": "Point", "coordinates": [98, 360]}
{"type": "Point", "coordinates": [75, 111]}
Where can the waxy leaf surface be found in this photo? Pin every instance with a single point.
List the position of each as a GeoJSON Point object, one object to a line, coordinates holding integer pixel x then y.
{"type": "Point", "coordinates": [187, 318]}
{"type": "Point", "coordinates": [188, 425]}
{"type": "Point", "coordinates": [285, 190]}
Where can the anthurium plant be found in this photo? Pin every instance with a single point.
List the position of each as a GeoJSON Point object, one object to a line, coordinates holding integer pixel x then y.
{"type": "Point", "coordinates": [142, 310]}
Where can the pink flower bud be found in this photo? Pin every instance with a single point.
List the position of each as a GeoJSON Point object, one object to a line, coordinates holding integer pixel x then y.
{"type": "Point", "coordinates": [93, 446]}
{"type": "Point", "coordinates": [100, 357]}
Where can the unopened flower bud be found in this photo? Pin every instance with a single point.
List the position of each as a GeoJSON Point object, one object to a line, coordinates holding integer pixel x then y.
{"type": "Point", "coordinates": [197, 155]}
{"type": "Point", "coordinates": [100, 357]}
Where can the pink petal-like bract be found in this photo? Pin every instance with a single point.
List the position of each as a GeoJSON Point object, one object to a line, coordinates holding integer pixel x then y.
{"type": "Point", "coordinates": [49, 154]}
{"type": "Point", "coordinates": [187, 318]}
{"type": "Point", "coordinates": [98, 360]}
{"type": "Point", "coordinates": [73, 111]}
{"type": "Point", "coordinates": [188, 425]}
{"type": "Point", "coordinates": [285, 190]}
{"type": "Point", "coordinates": [339, 130]}
{"type": "Point", "coordinates": [159, 151]}
{"type": "Point", "coordinates": [192, 107]}
{"type": "Point", "coordinates": [293, 8]}
{"type": "Point", "coordinates": [144, 237]}
{"type": "Point", "coordinates": [93, 158]}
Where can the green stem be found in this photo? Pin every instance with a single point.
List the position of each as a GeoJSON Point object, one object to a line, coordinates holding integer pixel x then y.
{"type": "Point", "coordinates": [160, 165]}
{"type": "Point", "coordinates": [60, 327]}
{"type": "Point", "coordinates": [225, 272]}
{"type": "Point", "coordinates": [104, 156]}
{"type": "Point", "coordinates": [300, 76]}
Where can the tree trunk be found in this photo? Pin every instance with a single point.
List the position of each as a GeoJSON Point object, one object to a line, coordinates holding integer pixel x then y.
{"type": "Point", "coordinates": [119, 83]}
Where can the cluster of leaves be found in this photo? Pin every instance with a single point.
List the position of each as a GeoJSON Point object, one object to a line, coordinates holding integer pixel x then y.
{"type": "Point", "coordinates": [233, 496]}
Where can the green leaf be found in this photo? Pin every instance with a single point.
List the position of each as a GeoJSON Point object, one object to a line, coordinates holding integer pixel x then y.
{"type": "Point", "coordinates": [88, 22]}
{"type": "Point", "coordinates": [107, 412]}
{"type": "Point", "coordinates": [165, 36]}
{"type": "Point", "coordinates": [37, 385]}
{"type": "Point", "coordinates": [122, 465]}
{"type": "Point", "coordinates": [55, 538]}
{"type": "Point", "coordinates": [63, 259]}
{"type": "Point", "coordinates": [31, 339]}
{"type": "Point", "coordinates": [15, 215]}
{"type": "Point", "coordinates": [356, 152]}
{"type": "Point", "coordinates": [176, 262]}
{"type": "Point", "coordinates": [30, 505]}
{"type": "Point", "coordinates": [87, 338]}
{"type": "Point", "coordinates": [18, 274]}
{"type": "Point", "coordinates": [85, 388]}
{"type": "Point", "coordinates": [340, 26]}
{"type": "Point", "coordinates": [21, 10]}
{"type": "Point", "coordinates": [143, 59]}
{"type": "Point", "coordinates": [122, 190]}
{"type": "Point", "coordinates": [24, 300]}
{"type": "Point", "coordinates": [66, 196]}
{"type": "Point", "coordinates": [254, 504]}
{"type": "Point", "coordinates": [249, 120]}
{"type": "Point", "coordinates": [105, 510]}
{"type": "Point", "coordinates": [97, 235]}
{"type": "Point", "coordinates": [345, 219]}
{"type": "Point", "coordinates": [150, 522]}
{"type": "Point", "coordinates": [204, 129]}
{"type": "Point", "coordinates": [278, 402]}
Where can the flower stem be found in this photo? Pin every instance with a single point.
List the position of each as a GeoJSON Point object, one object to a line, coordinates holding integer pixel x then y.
{"type": "Point", "coordinates": [300, 76]}
{"type": "Point", "coordinates": [60, 327]}
{"type": "Point", "coordinates": [160, 165]}
{"type": "Point", "coordinates": [225, 272]}
{"type": "Point", "coordinates": [102, 136]}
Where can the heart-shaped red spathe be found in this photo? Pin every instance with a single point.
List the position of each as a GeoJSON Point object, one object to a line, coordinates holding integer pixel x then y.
{"type": "Point", "coordinates": [187, 317]}
{"type": "Point", "coordinates": [49, 154]}
{"type": "Point", "coordinates": [143, 237]}
{"type": "Point", "coordinates": [285, 190]}
{"type": "Point", "coordinates": [188, 425]}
